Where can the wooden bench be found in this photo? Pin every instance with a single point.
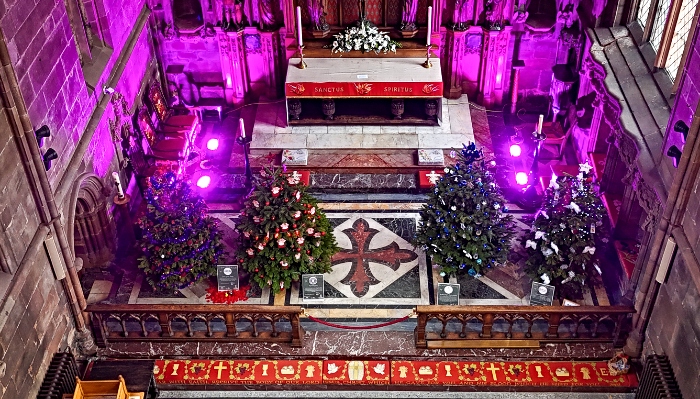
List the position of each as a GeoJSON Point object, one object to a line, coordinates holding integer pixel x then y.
{"type": "Point", "coordinates": [102, 389]}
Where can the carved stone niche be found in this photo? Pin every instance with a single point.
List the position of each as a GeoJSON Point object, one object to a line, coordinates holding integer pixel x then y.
{"type": "Point", "coordinates": [541, 15]}
{"type": "Point", "coordinates": [187, 15]}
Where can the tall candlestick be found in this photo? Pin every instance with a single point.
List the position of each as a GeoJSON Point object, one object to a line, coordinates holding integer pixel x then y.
{"type": "Point", "coordinates": [299, 39]}
{"type": "Point", "coordinates": [242, 127]}
{"type": "Point", "coordinates": [430, 24]}
{"type": "Point", "coordinates": [539, 124]}
{"type": "Point", "coordinates": [118, 183]}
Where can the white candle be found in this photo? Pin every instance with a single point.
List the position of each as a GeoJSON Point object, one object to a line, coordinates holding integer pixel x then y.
{"type": "Point", "coordinates": [120, 190]}
{"type": "Point", "coordinates": [242, 127]}
{"type": "Point", "coordinates": [430, 24]}
{"type": "Point", "coordinates": [299, 39]}
{"type": "Point", "coordinates": [539, 124]}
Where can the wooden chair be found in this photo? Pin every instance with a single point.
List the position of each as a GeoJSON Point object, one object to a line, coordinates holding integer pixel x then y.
{"type": "Point", "coordinates": [167, 120]}
{"type": "Point", "coordinates": [556, 138]}
{"type": "Point", "coordinates": [159, 146]}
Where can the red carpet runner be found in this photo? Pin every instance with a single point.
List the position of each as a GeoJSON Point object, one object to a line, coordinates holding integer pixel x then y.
{"type": "Point", "coordinates": [540, 374]}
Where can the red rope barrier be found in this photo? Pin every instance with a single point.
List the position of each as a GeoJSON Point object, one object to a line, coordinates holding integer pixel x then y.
{"type": "Point", "coordinates": [388, 323]}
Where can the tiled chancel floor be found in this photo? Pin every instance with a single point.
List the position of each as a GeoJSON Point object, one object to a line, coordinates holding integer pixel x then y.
{"type": "Point", "coordinates": [271, 131]}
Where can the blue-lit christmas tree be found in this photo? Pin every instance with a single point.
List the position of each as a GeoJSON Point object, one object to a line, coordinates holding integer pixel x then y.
{"type": "Point", "coordinates": [562, 244]}
{"type": "Point", "coordinates": [465, 226]}
{"type": "Point", "coordinates": [181, 245]}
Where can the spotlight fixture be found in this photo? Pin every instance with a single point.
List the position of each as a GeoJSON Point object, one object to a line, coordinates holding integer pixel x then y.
{"type": "Point", "coordinates": [204, 181]}
{"type": "Point", "coordinates": [213, 144]}
{"type": "Point", "coordinates": [681, 128]}
{"type": "Point", "coordinates": [49, 156]}
{"type": "Point", "coordinates": [521, 178]}
{"type": "Point", "coordinates": [515, 150]}
{"type": "Point", "coordinates": [42, 133]}
{"type": "Point", "coordinates": [675, 153]}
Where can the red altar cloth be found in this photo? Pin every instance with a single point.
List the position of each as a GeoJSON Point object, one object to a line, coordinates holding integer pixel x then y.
{"type": "Point", "coordinates": [374, 89]}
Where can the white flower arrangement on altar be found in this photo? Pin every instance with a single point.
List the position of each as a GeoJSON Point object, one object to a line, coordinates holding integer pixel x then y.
{"type": "Point", "coordinates": [364, 38]}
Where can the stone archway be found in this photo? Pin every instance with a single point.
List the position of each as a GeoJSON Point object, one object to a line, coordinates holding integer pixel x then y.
{"type": "Point", "coordinates": [91, 232]}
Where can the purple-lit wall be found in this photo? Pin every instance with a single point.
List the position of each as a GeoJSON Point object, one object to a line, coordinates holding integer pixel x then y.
{"type": "Point", "coordinates": [674, 327]}
{"type": "Point", "coordinates": [35, 320]}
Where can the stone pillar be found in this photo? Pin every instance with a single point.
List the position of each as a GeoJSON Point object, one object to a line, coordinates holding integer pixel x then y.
{"type": "Point", "coordinates": [562, 80]}
{"type": "Point", "coordinates": [233, 65]}
{"type": "Point", "coordinates": [493, 76]}
{"type": "Point", "coordinates": [517, 66]}
{"type": "Point", "coordinates": [272, 62]}
{"type": "Point", "coordinates": [453, 55]}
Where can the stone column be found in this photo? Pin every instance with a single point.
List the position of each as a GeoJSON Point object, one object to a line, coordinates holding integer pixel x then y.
{"type": "Point", "coordinates": [517, 66]}
{"type": "Point", "coordinates": [493, 76]}
{"type": "Point", "coordinates": [272, 62]}
{"type": "Point", "coordinates": [233, 65]}
{"type": "Point", "coordinates": [562, 80]}
{"type": "Point", "coordinates": [453, 56]}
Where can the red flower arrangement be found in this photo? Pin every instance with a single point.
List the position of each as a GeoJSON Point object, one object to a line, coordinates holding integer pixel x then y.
{"type": "Point", "coordinates": [228, 297]}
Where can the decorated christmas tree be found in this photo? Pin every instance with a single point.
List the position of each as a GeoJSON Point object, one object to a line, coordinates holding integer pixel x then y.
{"type": "Point", "coordinates": [181, 245]}
{"type": "Point", "coordinates": [465, 227]}
{"type": "Point", "coordinates": [562, 243]}
{"type": "Point", "coordinates": [283, 233]}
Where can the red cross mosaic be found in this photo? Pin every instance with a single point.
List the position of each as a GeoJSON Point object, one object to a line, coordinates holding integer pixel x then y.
{"type": "Point", "coordinates": [360, 277]}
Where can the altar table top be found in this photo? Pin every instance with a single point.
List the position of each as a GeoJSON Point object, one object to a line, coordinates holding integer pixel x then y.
{"type": "Point", "coordinates": [364, 77]}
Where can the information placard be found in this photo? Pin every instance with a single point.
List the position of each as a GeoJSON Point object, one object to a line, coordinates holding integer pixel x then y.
{"type": "Point", "coordinates": [541, 294]}
{"type": "Point", "coordinates": [227, 277]}
{"type": "Point", "coordinates": [312, 286]}
{"type": "Point", "coordinates": [448, 294]}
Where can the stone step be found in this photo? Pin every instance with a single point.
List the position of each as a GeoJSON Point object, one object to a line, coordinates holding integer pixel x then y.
{"type": "Point", "coordinates": [263, 142]}
{"type": "Point", "coordinates": [331, 161]}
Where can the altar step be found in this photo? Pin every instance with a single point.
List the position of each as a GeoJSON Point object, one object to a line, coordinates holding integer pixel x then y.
{"type": "Point", "coordinates": [349, 161]}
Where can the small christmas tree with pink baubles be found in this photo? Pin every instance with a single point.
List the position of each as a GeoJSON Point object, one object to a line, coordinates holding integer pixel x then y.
{"type": "Point", "coordinates": [283, 232]}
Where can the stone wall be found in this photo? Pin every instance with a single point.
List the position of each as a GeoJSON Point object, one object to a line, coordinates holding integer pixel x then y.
{"type": "Point", "coordinates": [674, 327]}
{"type": "Point", "coordinates": [35, 318]}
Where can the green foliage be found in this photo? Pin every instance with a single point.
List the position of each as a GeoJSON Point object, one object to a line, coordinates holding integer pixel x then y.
{"type": "Point", "coordinates": [465, 227]}
{"type": "Point", "coordinates": [283, 233]}
{"type": "Point", "coordinates": [562, 244]}
{"type": "Point", "coordinates": [181, 245]}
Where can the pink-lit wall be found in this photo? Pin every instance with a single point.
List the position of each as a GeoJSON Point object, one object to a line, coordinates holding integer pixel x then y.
{"type": "Point", "coordinates": [51, 77]}
{"type": "Point", "coordinates": [36, 321]}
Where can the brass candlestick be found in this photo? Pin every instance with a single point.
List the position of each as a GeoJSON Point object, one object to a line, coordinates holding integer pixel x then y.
{"type": "Point", "coordinates": [427, 63]}
{"type": "Point", "coordinates": [302, 64]}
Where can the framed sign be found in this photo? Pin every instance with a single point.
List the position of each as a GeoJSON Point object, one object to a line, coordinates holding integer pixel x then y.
{"type": "Point", "coordinates": [227, 277]}
{"type": "Point", "coordinates": [448, 294]}
{"type": "Point", "coordinates": [541, 294]}
{"type": "Point", "coordinates": [312, 286]}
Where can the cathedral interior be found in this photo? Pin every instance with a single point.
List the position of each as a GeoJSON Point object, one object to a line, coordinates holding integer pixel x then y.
{"type": "Point", "coordinates": [102, 98]}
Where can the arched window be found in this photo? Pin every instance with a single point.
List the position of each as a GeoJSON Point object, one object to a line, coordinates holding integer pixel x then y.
{"type": "Point", "coordinates": [666, 25]}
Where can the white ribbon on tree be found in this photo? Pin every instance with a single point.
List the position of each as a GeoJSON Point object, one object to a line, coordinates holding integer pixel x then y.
{"type": "Point", "coordinates": [590, 250]}
{"type": "Point", "coordinates": [574, 207]}
{"type": "Point", "coordinates": [554, 247]}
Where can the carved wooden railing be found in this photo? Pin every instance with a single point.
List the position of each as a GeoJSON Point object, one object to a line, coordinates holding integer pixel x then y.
{"type": "Point", "coordinates": [179, 323]}
{"type": "Point", "coordinates": [519, 326]}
